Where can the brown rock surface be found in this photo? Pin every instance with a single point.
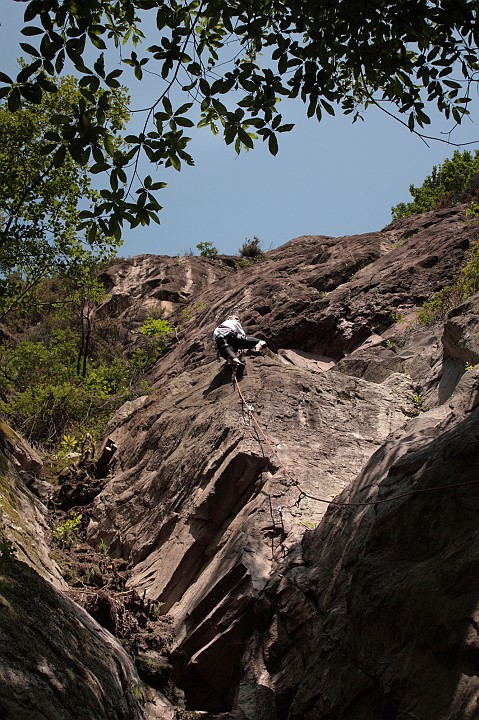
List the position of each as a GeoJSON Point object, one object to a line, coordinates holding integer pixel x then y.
{"type": "Point", "coordinates": [56, 662]}
{"type": "Point", "coordinates": [282, 608]}
{"type": "Point", "coordinates": [327, 296]}
{"type": "Point", "coordinates": [204, 521]}
{"type": "Point", "coordinates": [158, 285]}
{"type": "Point", "coordinates": [23, 518]}
{"type": "Point", "coordinates": [385, 603]}
{"type": "Point", "coordinates": [461, 333]}
{"type": "Point", "coordinates": [320, 295]}
{"type": "Point", "coordinates": [207, 509]}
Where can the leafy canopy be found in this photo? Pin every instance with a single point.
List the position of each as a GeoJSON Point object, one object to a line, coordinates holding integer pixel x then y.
{"type": "Point", "coordinates": [230, 62]}
{"type": "Point", "coordinates": [42, 192]}
{"type": "Point", "coordinates": [455, 181]}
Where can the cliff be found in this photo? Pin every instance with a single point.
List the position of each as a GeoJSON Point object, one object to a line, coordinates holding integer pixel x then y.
{"type": "Point", "coordinates": [310, 534]}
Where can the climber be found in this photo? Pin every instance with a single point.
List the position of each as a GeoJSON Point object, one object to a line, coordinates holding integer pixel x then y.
{"type": "Point", "coordinates": [230, 337]}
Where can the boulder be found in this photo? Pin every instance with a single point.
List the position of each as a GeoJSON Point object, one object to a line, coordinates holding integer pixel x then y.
{"type": "Point", "coordinates": [23, 517]}
{"type": "Point", "coordinates": [57, 663]}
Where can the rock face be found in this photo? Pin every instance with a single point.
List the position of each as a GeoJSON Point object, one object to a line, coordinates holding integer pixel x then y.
{"type": "Point", "coordinates": [205, 521]}
{"type": "Point", "coordinates": [217, 498]}
{"type": "Point", "coordinates": [315, 294]}
{"type": "Point", "coordinates": [56, 662]}
{"type": "Point", "coordinates": [327, 296]}
{"type": "Point", "coordinates": [155, 285]}
{"type": "Point", "coordinates": [22, 515]}
{"type": "Point", "coordinates": [311, 531]}
{"type": "Point", "coordinates": [396, 608]}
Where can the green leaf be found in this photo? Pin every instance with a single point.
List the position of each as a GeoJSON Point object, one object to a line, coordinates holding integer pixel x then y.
{"type": "Point", "coordinates": [60, 61]}
{"type": "Point", "coordinates": [167, 105]}
{"type": "Point", "coordinates": [58, 119]}
{"type": "Point", "coordinates": [26, 72]}
{"type": "Point", "coordinates": [14, 100]}
{"type": "Point", "coordinates": [76, 150]}
{"type": "Point", "coordinates": [30, 49]}
{"type": "Point", "coordinates": [31, 30]}
{"type": "Point", "coordinates": [423, 119]}
{"type": "Point", "coordinates": [174, 161]}
{"type": "Point", "coordinates": [33, 9]}
{"type": "Point", "coordinates": [205, 87]}
{"type": "Point", "coordinates": [48, 149]}
{"type": "Point", "coordinates": [245, 138]}
{"type": "Point", "coordinates": [92, 233]}
{"type": "Point", "coordinates": [32, 92]}
{"type": "Point", "coordinates": [219, 107]}
{"type": "Point", "coordinates": [46, 84]}
{"type": "Point", "coordinates": [88, 95]}
{"type": "Point", "coordinates": [97, 41]}
{"type": "Point", "coordinates": [230, 134]}
{"type": "Point", "coordinates": [194, 69]}
{"type": "Point", "coordinates": [329, 108]}
{"type": "Point", "coordinates": [184, 108]}
{"type": "Point", "coordinates": [273, 144]}
{"type": "Point", "coordinates": [99, 167]}
{"type": "Point", "coordinates": [4, 78]}
{"type": "Point", "coordinates": [53, 136]}
{"type": "Point", "coordinates": [59, 157]}
{"type": "Point", "coordinates": [452, 84]}
{"type": "Point", "coordinates": [111, 80]}
{"type": "Point", "coordinates": [184, 122]}
{"type": "Point", "coordinates": [109, 145]}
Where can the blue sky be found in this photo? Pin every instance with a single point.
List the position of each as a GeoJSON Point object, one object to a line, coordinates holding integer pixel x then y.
{"type": "Point", "coordinates": [329, 178]}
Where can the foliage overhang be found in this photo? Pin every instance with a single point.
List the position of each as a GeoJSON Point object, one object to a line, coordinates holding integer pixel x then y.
{"type": "Point", "coordinates": [235, 60]}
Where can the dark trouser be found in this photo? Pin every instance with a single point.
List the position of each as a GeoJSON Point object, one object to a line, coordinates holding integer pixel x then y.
{"type": "Point", "coordinates": [228, 344]}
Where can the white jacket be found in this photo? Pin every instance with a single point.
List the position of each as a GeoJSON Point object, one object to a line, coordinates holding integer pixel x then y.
{"type": "Point", "coordinates": [229, 326]}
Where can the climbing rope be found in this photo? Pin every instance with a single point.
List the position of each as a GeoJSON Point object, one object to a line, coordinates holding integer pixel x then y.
{"type": "Point", "coordinates": [385, 500]}
{"type": "Point", "coordinates": [336, 503]}
{"type": "Point", "coordinates": [260, 429]}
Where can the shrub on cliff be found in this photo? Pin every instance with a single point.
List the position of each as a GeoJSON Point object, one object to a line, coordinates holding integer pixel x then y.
{"type": "Point", "coordinates": [48, 390]}
{"type": "Point", "coordinates": [466, 283]}
{"type": "Point", "coordinates": [207, 249]}
{"type": "Point", "coordinates": [251, 249]}
{"type": "Point", "coordinates": [455, 181]}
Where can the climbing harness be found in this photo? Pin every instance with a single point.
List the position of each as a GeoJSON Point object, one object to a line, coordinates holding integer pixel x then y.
{"type": "Point", "coordinates": [336, 503]}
